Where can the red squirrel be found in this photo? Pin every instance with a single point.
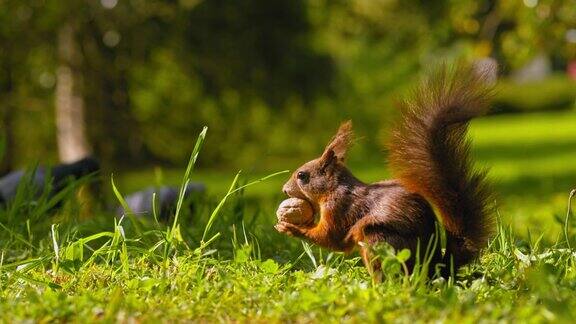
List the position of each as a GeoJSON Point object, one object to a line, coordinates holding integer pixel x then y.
{"type": "Point", "coordinates": [429, 156]}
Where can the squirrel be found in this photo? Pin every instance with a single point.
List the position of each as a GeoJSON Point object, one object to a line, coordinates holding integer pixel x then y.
{"type": "Point", "coordinates": [430, 157]}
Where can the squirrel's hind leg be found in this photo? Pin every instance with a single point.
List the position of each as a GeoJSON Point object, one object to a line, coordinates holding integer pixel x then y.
{"type": "Point", "coordinates": [372, 234]}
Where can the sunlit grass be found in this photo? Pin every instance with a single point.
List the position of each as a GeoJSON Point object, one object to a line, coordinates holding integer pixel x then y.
{"type": "Point", "coordinates": [224, 261]}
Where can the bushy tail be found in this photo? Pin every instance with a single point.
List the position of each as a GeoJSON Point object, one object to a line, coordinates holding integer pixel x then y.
{"type": "Point", "coordinates": [430, 155]}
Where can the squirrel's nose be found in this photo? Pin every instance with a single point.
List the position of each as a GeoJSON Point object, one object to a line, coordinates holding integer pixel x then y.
{"type": "Point", "coordinates": [285, 190]}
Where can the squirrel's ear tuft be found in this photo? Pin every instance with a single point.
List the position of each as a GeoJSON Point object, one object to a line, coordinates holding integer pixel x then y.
{"type": "Point", "coordinates": [328, 160]}
{"type": "Point", "coordinates": [340, 143]}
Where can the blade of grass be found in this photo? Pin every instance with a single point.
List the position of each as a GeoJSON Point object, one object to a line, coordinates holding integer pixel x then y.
{"type": "Point", "coordinates": [55, 243]}
{"type": "Point", "coordinates": [230, 192]}
{"type": "Point", "coordinates": [218, 207]}
{"type": "Point", "coordinates": [127, 210]}
{"type": "Point", "coordinates": [119, 196]}
{"type": "Point", "coordinates": [155, 208]}
{"type": "Point", "coordinates": [572, 193]}
{"type": "Point", "coordinates": [186, 179]}
{"type": "Point", "coordinates": [310, 254]}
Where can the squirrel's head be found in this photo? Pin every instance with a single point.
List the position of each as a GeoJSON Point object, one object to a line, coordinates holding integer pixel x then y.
{"type": "Point", "coordinates": [315, 179]}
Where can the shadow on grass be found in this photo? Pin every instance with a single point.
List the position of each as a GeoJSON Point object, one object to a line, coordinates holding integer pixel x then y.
{"type": "Point", "coordinates": [535, 179]}
{"type": "Point", "coordinates": [526, 150]}
{"type": "Point", "coordinates": [535, 186]}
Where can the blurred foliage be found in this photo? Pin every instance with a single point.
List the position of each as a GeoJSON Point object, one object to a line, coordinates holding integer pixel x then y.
{"type": "Point", "coordinates": [554, 93]}
{"type": "Point", "coordinates": [272, 79]}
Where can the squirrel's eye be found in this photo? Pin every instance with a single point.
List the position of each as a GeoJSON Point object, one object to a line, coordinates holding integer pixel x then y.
{"type": "Point", "coordinates": [303, 176]}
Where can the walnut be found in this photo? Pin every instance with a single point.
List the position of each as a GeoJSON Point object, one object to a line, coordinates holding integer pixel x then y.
{"type": "Point", "coordinates": [295, 211]}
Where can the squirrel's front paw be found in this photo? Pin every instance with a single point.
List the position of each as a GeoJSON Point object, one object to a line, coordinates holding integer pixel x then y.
{"type": "Point", "coordinates": [288, 229]}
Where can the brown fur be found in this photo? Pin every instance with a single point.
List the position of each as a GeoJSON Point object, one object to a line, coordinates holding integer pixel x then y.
{"type": "Point", "coordinates": [432, 136]}
{"type": "Point", "coordinates": [430, 157]}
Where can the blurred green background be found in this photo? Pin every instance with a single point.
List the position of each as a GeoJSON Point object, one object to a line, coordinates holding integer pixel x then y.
{"type": "Point", "coordinates": [273, 79]}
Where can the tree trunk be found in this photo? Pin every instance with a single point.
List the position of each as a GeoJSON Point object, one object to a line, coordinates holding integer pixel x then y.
{"type": "Point", "coordinates": [70, 124]}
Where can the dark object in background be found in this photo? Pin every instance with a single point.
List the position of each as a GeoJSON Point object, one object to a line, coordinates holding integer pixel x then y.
{"type": "Point", "coordinates": [59, 173]}
{"type": "Point", "coordinates": [140, 202]}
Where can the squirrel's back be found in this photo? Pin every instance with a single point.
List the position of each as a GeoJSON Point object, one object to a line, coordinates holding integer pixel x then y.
{"type": "Point", "coordinates": [430, 155]}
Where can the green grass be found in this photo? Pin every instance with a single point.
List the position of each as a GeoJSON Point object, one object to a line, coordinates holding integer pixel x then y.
{"type": "Point", "coordinates": [223, 261]}
{"type": "Point", "coordinates": [532, 160]}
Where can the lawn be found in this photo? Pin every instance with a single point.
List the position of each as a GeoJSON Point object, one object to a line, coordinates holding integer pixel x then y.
{"type": "Point", "coordinates": [81, 265]}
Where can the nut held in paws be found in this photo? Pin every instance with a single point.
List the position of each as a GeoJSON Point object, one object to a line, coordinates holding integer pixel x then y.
{"type": "Point", "coordinates": [295, 211]}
